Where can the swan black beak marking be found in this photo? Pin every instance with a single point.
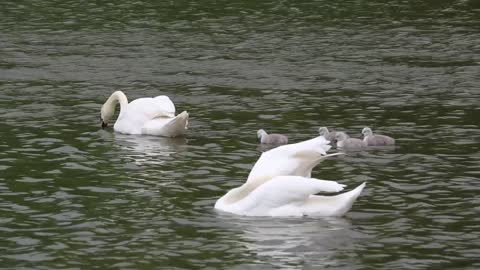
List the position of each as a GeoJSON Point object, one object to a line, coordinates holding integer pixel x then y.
{"type": "Point", "coordinates": [104, 125]}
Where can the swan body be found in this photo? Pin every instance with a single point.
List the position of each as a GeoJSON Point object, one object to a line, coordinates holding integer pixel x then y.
{"type": "Point", "coordinates": [148, 116]}
{"type": "Point", "coordinates": [266, 138]}
{"type": "Point", "coordinates": [344, 141]}
{"type": "Point", "coordinates": [279, 184]}
{"type": "Point", "coordinates": [329, 135]}
{"type": "Point", "coordinates": [375, 139]}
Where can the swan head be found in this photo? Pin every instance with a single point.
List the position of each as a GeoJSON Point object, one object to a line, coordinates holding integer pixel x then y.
{"type": "Point", "coordinates": [323, 131]}
{"type": "Point", "coordinates": [341, 136]}
{"type": "Point", "coordinates": [261, 133]}
{"type": "Point", "coordinates": [366, 131]}
{"type": "Point", "coordinates": [106, 113]}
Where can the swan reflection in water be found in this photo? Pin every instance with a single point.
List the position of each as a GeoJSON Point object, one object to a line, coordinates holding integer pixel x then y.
{"type": "Point", "coordinates": [285, 242]}
{"type": "Point", "coordinates": [144, 150]}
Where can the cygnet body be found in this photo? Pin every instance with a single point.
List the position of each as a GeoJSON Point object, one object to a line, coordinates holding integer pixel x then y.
{"type": "Point", "coordinates": [371, 139]}
{"type": "Point", "coordinates": [266, 138]}
{"type": "Point", "coordinates": [344, 141]}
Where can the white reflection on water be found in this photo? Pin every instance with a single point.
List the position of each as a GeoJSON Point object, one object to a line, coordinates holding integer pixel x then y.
{"type": "Point", "coordinates": [291, 241]}
{"type": "Point", "coordinates": [143, 150]}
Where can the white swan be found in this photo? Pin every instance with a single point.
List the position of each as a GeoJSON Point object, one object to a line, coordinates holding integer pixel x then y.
{"type": "Point", "coordinates": [150, 116]}
{"type": "Point", "coordinates": [279, 184]}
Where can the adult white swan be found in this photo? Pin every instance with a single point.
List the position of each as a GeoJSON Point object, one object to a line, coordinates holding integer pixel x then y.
{"type": "Point", "coordinates": [279, 184]}
{"type": "Point", "coordinates": [150, 116]}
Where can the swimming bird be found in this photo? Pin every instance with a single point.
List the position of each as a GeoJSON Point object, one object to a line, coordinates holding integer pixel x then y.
{"type": "Point", "coordinates": [280, 184]}
{"type": "Point", "coordinates": [375, 139]}
{"type": "Point", "coordinates": [266, 138]}
{"type": "Point", "coordinates": [344, 141]}
{"type": "Point", "coordinates": [323, 131]}
{"type": "Point", "coordinates": [149, 116]}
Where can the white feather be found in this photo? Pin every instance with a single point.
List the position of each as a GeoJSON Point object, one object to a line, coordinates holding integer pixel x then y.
{"type": "Point", "coordinates": [150, 116]}
{"type": "Point", "coordinates": [292, 159]}
{"type": "Point", "coordinates": [280, 185]}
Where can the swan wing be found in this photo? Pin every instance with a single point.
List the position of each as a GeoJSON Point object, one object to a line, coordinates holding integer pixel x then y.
{"type": "Point", "coordinates": [292, 159]}
{"type": "Point", "coordinates": [337, 205]}
{"type": "Point", "coordinates": [138, 112]}
{"type": "Point", "coordinates": [282, 196]}
{"type": "Point", "coordinates": [150, 108]}
{"type": "Point", "coordinates": [167, 126]}
{"type": "Point", "coordinates": [164, 106]}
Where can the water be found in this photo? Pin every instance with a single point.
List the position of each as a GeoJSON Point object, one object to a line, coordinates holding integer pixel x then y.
{"type": "Point", "coordinates": [78, 197]}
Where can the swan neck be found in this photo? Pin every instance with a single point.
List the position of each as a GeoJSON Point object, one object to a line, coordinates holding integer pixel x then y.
{"type": "Point", "coordinates": [117, 97]}
{"type": "Point", "coordinates": [236, 194]}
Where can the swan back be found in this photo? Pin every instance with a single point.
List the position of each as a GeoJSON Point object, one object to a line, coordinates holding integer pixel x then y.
{"type": "Point", "coordinates": [292, 196]}
{"type": "Point", "coordinates": [280, 196]}
{"type": "Point", "coordinates": [140, 112]}
{"type": "Point", "coordinates": [165, 106]}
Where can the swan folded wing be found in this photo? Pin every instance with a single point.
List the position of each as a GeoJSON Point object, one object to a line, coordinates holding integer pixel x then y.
{"type": "Point", "coordinates": [337, 205]}
{"type": "Point", "coordinates": [150, 108]}
{"type": "Point", "coordinates": [167, 126]}
{"type": "Point", "coordinates": [284, 195]}
{"type": "Point", "coordinates": [164, 106]}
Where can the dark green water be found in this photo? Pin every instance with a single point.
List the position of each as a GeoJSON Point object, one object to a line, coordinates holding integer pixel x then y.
{"type": "Point", "coordinates": [75, 197]}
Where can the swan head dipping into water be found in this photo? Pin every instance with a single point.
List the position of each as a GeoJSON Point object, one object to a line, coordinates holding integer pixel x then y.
{"type": "Point", "coordinates": [108, 108]}
{"type": "Point", "coordinates": [147, 116]}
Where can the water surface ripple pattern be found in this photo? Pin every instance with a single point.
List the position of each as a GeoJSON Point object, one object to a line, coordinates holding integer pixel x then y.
{"type": "Point", "coordinates": [75, 196]}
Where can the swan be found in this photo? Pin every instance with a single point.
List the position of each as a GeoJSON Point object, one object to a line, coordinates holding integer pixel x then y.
{"type": "Point", "coordinates": [148, 116]}
{"type": "Point", "coordinates": [375, 139]}
{"type": "Point", "coordinates": [280, 184]}
{"type": "Point", "coordinates": [344, 141]}
{"type": "Point", "coordinates": [266, 138]}
{"type": "Point", "coordinates": [330, 136]}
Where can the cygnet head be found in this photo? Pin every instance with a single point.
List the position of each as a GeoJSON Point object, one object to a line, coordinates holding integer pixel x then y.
{"type": "Point", "coordinates": [323, 131]}
{"type": "Point", "coordinates": [366, 131]}
{"type": "Point", "coordinates": [341, 136]}
{"type": "Point", "coordinates": [261, 133]}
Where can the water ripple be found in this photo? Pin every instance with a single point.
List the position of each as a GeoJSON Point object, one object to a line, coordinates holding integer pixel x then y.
{"type": "Point", "coordinates": [74, 195]}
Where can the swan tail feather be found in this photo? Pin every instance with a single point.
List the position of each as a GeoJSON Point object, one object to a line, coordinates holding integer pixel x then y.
{"type": "Point", "coordinates": [168, 127]}
{"type": "Point", "coordinates": [337, 205]}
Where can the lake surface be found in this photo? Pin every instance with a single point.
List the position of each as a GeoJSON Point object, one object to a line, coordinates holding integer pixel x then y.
{"type": "Point", "coordinates": [73, 196]}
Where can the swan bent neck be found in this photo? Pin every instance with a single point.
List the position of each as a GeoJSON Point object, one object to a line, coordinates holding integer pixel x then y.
{"type": "Point", "coordinates": [229, 201]}
{"type": "Point", "coordinates": [117, 96]}
{"type": "Point", "coordinates": [108, 108]}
